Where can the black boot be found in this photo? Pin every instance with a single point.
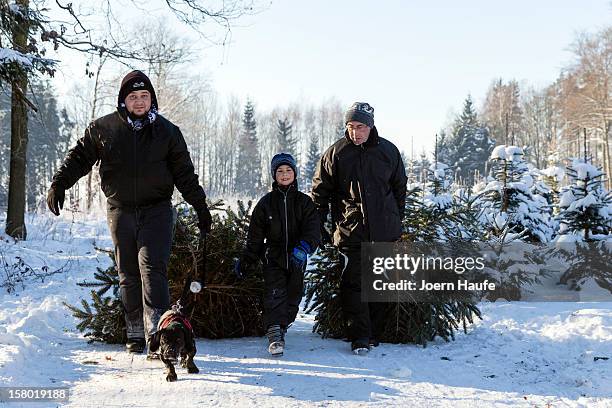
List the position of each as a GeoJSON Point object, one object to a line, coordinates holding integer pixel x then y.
{"type": "Point", "coordinates": [276, 339]}
{"type": "Point", "coordinates": [360, 346]}
{"type": "Point", "coordinates": [135, 346]}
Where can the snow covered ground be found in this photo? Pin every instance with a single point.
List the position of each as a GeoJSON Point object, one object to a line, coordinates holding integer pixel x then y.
{"type": "Point", "coordinates": [521, 354]}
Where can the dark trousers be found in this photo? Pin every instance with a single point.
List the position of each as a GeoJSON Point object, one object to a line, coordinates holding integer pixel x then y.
{"type": "Point", "coordinates": [142, 239]}
{"type": "Point", "coordinates": [283, 291]}
{"type": "Point", "coordinates": [364, 319]}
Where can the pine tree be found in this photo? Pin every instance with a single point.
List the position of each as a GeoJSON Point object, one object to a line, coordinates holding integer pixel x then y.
{"type": "Point", "coordinates": [422, 168]}
{"type": "Point", "coordinates": [286, 142]}
{"type": "Point", "coordinates": [445, 147]}
{"type": "Point", "coordinates": [585, 218]}
{"type": "Point", "coordinates": [553, 176]}
{"type": "Point", "coordinates": [226, 307]}
{"type": "Point", "coordinates": [47, 138]}
{"type": "Point", "coordinates": [513, 217]}
{"type": "Point", "coordinates": [405, 322]}
{"type": "Point", "coordinates": [248, 171]}
{"type": "Point", "coordinates": [322, 291]}
{"type": "Point", "coordinates": [585, 204]}
{"type": "Point", "coordinates": [472, 145]}
{"type": "Point", "coordinates": [103, 320]}
{"type": "Point", "coordinates": [508, 197]}
{"type": "Point", "coordinates": [312, 158]}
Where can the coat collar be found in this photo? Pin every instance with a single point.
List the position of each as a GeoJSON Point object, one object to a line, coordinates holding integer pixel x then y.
{"type": "Point", "coordinates": [290, 190]}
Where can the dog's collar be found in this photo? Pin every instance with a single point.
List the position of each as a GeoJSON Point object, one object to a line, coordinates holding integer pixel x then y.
{"type": "Point", "coordinates": [173, 317]}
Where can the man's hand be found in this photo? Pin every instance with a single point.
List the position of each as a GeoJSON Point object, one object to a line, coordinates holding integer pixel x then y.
{"type": "Point", "coordinates": [55, 199]}
{"type": "Point", "coordinates": [204, 221]}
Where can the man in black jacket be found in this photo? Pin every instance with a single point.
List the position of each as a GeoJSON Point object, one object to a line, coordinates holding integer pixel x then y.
{"type": "Point", "coordinates": [363, 179]}
{"type": "Point", "coordinates": [142, 156]}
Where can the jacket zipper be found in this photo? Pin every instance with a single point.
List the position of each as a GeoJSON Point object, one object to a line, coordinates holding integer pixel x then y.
{"type": "Point", "coordinates": [362, 197]}
{"type": "Point", "coordinates": [284, 193]}
{"type": "Point", "coordinates": [134, 135]}
{"type": "Point", "coordinates": [286, 231]}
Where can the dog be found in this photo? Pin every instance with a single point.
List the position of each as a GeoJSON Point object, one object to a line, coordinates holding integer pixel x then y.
{"type": "Point", "coordinates": [173, 338]}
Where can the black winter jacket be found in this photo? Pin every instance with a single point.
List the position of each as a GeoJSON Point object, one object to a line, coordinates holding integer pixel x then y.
{"type": "Point", "coordinates": [137, 168]}
{"type": "Point", "coordinates": [365, 186]}
{"type": "Point", "coordinates": [283, 219]}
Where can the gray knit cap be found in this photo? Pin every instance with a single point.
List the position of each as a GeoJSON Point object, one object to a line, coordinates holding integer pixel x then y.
{"type": "Point", "coordinates": [361, 112]}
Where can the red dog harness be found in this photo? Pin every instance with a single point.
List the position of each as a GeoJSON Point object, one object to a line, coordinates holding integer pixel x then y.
{"type": "Point", "coordinates": [171, 316]}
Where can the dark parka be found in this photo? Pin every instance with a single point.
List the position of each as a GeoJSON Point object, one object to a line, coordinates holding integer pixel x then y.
{"type": "Point", "coordinates": [366, 188]}
{"type": "Point", "coordinates": [137, 168]}
{"type": "Point", "coordinates": [283, 219]}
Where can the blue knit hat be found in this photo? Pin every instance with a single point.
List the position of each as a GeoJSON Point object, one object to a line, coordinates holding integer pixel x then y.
{"type": "Point", "coordinates": [280, 159]}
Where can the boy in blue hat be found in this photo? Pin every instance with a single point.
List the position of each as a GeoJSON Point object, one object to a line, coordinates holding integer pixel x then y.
{"type": "Point", "coordinates": [284, 230]}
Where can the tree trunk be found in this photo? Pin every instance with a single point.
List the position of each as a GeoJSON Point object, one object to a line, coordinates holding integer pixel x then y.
{"type": "Point", "coordinates": [15, 224]}
{"type": "Point", "coordinates": [94, 112]}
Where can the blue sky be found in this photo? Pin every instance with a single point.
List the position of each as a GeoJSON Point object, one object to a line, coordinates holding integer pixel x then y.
{"type": "Point", "coordinates": [414, 62]}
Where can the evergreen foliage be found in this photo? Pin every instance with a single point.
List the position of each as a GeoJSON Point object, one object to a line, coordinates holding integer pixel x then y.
{"type": "Point", "coordinates": [405, 322]}
{"type": "Point", "coordinates": [585, 218]}
{"type": "Point", "coordinates": [509, 202]}
{"type": "Point", "coordinates": [312, 159]}
{"type": "Point", "coordinates": [226, 307]}
{"type": "Point", "coordinates": [469, 147]}
{"type": "Point", "coordinates": [286, 142]}
{"type": "Point", "coordinates": [248, 174]}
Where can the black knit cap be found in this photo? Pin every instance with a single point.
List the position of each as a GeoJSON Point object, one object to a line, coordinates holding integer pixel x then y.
{"type": "Point", "coordinates": [361, 112]}
{"type": "Point", "coordinates": [280, 159]}
{"type": "Point", "coordinates": [136, 81]}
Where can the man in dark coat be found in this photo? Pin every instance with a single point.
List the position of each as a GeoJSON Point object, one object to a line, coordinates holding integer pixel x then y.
{"type": "Point", "coordinates": [363, 179]}
{"type": "Point", "coordinates": [142, 156]}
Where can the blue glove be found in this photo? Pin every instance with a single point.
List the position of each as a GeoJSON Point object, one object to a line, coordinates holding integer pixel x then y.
{"type": "Point", "coordinates": [300, 253]}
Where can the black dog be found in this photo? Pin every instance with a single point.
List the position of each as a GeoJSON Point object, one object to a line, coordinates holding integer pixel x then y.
{"type": "Point", "coordinates": [174, 337]}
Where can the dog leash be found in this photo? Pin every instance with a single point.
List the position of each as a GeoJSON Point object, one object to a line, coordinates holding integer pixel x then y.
{"type": "Point", "coordinates": [192, 283]}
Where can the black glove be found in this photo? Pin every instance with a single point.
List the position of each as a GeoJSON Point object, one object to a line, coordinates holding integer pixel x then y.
{"type": "Point", "coordinates": [204, 221]}
{"type": "Point", "coordinates": [55, 198]}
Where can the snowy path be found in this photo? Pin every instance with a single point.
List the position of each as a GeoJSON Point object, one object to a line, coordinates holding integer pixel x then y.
{"type": "Point", "coordinates": [523, 357]}
{"type": "Point", "coordinates": [521, 354]}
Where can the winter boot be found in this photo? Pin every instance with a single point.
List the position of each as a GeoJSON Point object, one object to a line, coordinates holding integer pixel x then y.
{"type": "Point", "coordinates": [360, 347]}
{"type": "Point", "coordinates": [135, 346]}
{"type": "Point", "coordinates": [276, 339]}
{"type": "Point", "coordinates": [152, 355]}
